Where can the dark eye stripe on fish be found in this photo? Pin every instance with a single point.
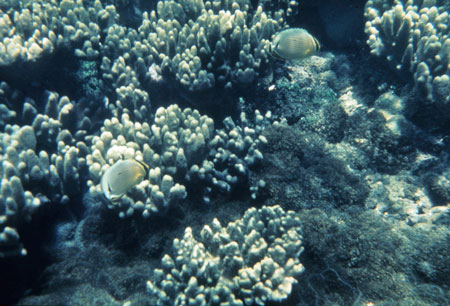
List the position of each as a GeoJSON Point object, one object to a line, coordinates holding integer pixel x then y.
{"type": "Point", "coordinates": [144, 165]}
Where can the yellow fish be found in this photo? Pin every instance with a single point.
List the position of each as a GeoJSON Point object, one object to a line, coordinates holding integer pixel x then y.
{"type": "Point", "coordinates": [121, 177]}
{"type": "Point", "coordinates": [293, 44]}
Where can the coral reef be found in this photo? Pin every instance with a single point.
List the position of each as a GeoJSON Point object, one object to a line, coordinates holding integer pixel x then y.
{"type": "Point", "coordinates": [369, 259]}
{"type": "Point", "coordinates": [252, 260]}
{"type": "Point", "coordinates": [343, 149]}
{"type": "Point", "coordinates": [196, 47]}
{"type": "Point", "coordinates": [40, 161]}
{"type": "Point", "coordinates": [204, 43]}
{"type": "Point", "coordinates": [364, 180]}
{"type": "Point", "coordinates": [182, 148]}
{"type": "Point", "coordinates": [30, 30]}
{"type": "Point", "coordinates": [86, 83]}
{"type": "Point", "coordinates": [414, 37]}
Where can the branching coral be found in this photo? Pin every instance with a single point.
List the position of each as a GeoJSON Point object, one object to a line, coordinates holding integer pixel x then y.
{"type": "Point", "coordinates": [182, 148]}
{"type": "Point", "coordinates": [414, 37]}
{"type": "Point", "coordinates": [40, 162]}
{"type": "Point", "coordinates": [33, 29]}
{"type": "Point", "coordinates": [251, 261]}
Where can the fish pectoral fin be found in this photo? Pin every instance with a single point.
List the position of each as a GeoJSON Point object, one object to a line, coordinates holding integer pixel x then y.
{"type": "Point", "coordinates": [116, 198]}
{"type": "Point", "coordinates": [276, 56]}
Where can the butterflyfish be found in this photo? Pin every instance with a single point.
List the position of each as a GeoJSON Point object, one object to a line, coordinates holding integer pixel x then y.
{"type": "Point", "coordinates": [293, 44]}
{"type": "Point", "coordinates": [121, 177]}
